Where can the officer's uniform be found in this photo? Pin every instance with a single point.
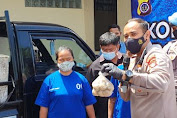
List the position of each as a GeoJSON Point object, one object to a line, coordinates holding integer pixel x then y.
{"type": "Point", "coordinates": [152, 92]}
{"type": "Point", "coordinates": [171, 50]}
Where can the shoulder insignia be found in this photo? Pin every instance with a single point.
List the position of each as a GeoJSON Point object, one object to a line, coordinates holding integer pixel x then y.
{"type": "Point", "coordinates": [172, 52]}
{"type": "Point", "coordinates": [174, 48]}
{"type": "Point", "coordinates": [151, 61]}
{"type": "Point", "coordinates": [139, 90]}
{"type": "Point", "coordinates": [171, 55]}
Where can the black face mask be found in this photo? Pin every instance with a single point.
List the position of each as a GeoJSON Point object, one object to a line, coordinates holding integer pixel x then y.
{"type": "Point", "coordinates": [134, 45]}
{"type": "Point", "coordinates": [175, 33]}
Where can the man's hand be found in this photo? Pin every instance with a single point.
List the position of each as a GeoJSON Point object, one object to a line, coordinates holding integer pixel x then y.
{"type": "Point", "coordinates": [112, 70]}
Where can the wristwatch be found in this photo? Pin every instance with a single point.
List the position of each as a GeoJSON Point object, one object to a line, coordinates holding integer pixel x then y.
{"type": "Point", "coordinates": [129, 75]}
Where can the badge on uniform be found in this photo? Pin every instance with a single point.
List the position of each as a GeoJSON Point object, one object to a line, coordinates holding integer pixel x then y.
{"type": "Point", "coordinates": [172, 53]}
{"type": "Point", "coordinates": [151, 61]}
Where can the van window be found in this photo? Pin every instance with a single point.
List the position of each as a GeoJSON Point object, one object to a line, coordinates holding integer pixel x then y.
{"type": "Point", "coordinates": [48, 47]}
{"type": "Point", "coordinates": [4, 46]}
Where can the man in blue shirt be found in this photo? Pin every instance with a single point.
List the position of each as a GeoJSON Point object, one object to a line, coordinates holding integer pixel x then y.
{"type": "Point", "coordinates": [116, 30]}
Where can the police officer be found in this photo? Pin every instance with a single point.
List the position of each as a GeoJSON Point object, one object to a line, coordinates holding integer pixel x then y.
{"type": "Point", "coordinates": [171, 47]}
{"type": "Point", "coordinates": [151, 82]}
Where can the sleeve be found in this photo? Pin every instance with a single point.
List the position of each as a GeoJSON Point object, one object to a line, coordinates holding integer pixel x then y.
{"type": "Point", "coordinates": [90, 75]}
{"type": "Point", "coordinates": [43, 95]}
{"type": "Point", "coordinates": [157, 76]}
{"type": "Point", "coordinates": [115, 83]}
{"type": "Point", "coordinates": [88, 97]}
{"type": "Point", "coordinates": [125, 96]}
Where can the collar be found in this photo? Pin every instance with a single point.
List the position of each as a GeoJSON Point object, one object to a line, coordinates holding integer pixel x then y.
{"type": "Point", "coordinates": [145, 51]}
{"type": "Point", "coordinates": [101, 58]}
{"type": "Point", "coordinates": [150, 46]}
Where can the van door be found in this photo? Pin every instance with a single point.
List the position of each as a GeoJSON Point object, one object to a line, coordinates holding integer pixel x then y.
{"type": "Point", "coordinates": [39, 60]}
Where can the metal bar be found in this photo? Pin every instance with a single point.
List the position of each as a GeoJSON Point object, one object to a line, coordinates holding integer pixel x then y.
{"type": "Point", "coordinates": [2, 18]}
{"type": "Point", "coordinates": [6, 83]}
{"type": "Point", "coordinates": [13, 102]}
{"type": "Point", "coordinates": [12, 42]}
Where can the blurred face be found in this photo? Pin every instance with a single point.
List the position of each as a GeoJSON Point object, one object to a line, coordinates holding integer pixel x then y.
{"type": "Point", "coordinates": [134, 32]}
{"type": "Point", "coordinates": [174, 28]}
{"type": "Point", "coordinates": [63, 56]}
{"type": "Point", "coordinates": [109, 52]}
{"type": "Point", "coordinates": [115, 31]}
{"type": "Point", "coordinates": [65, 62]}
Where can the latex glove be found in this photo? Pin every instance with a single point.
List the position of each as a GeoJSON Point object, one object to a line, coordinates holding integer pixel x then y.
{"type": "Point", "coordinates": [112, 70]}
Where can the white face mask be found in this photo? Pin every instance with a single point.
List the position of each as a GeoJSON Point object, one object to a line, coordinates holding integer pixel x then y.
{"type": "Point", "coordinates": [109, 55]}
{"type": "Point", "coordinates": [66, 66]}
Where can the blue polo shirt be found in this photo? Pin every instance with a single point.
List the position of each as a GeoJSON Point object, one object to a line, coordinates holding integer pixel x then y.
{"type": "Point", "coordinates": [65, 96]}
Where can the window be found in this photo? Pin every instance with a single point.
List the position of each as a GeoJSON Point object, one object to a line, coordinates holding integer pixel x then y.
{"type": "Point", "coordinates": [53, 3]}
{"type": "Point", "coordinates": [44, 53]}
{"type": "Point", "coordinates": [4, 46]}
{"type": "Point", "coordinates": [107, 10]}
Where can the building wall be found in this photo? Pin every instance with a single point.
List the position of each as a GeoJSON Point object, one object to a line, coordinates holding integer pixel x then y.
{"type": "Point", "coordinates": [122, 17]}
{"type": "Point", "coordinates": [70, 17]}
{"type": "Point", "coordinates": [123, 13]}
{"type": "Point", "coordinates": [79, 20]}
{"type": "Point", "coordinates": [89, 22]}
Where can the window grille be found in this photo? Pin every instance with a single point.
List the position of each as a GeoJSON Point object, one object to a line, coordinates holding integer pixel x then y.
{"type": "Point", "coordinates": [53, 3]}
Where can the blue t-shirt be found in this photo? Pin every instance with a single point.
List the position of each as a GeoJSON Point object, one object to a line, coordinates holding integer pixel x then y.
{"type": "Point", "coordinates": [65, 96]}
{"type": "Point", "coordinates": [122, 108]}
{"type": "Point", "coordinates": [123, 47]}
{"type": "Point", "coordinates": [115, 83]}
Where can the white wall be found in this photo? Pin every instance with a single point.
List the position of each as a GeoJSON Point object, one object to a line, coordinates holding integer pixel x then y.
{"type": "Point", "coordinates": [123, 13]}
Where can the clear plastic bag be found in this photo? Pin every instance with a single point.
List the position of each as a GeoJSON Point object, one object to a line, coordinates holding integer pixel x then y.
{"type": "Point", "coordinates": [102, 86]}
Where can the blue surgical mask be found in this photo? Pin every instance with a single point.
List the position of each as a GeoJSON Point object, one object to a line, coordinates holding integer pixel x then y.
{"type": "Point", "coordinates": [109, 55]}
{"type": "Point", "coordinates": [66, 66]}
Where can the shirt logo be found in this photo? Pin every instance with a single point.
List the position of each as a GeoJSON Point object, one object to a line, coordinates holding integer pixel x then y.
{"type": "Point", "coordinates": [78, 86]}
{"type": "Point", "coordinates": [52, 89]}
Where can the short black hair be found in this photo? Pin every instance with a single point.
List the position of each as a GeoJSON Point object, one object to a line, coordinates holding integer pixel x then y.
{"type": "Point", "coordinates": [113, 26]}
{"type": "Point", "coordinates": [109, 38]}
{"type": "Point", "coordinates": [61, 48]}
{"type": "Point", "coordinates": [171, 25]}
{"type": "Point", "coordinates": [143, 24]}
